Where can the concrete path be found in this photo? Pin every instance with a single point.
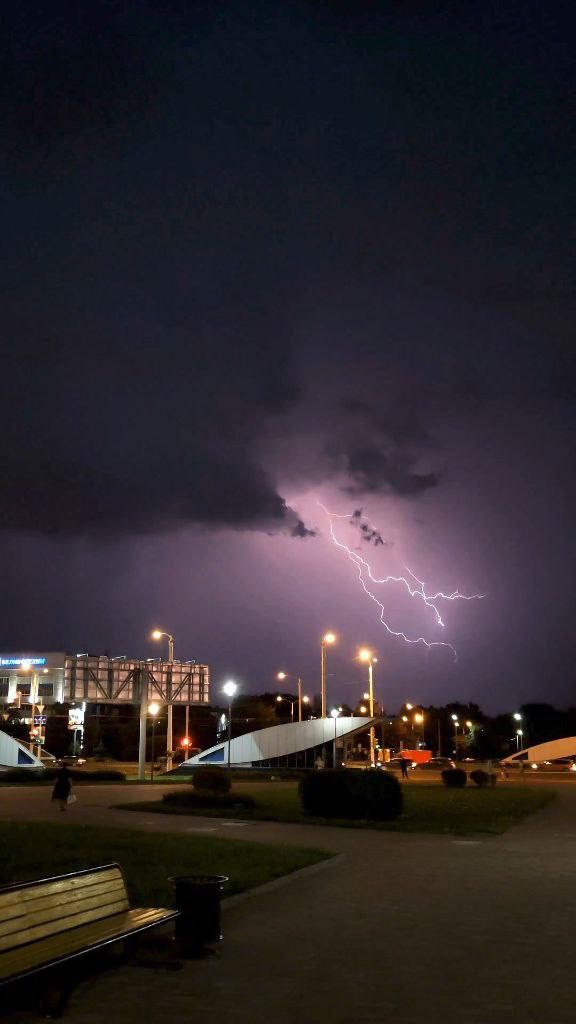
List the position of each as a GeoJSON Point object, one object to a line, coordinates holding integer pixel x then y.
{"type": "Point", "coordinates": [401, 928]}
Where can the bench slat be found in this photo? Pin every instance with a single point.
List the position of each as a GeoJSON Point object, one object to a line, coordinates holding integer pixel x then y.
{"type": "Point", "coordinates": [56, 904]}
{"type": "Point", "coordinates": [58, 925]}
{"type": "Point", "coordinates": [61, 885]}
{"type": "Point", "coordinates": [25, 960]}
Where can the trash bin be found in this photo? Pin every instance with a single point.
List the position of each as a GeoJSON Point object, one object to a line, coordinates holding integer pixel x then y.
{"type": "Point", "coordinates": [198, 900]}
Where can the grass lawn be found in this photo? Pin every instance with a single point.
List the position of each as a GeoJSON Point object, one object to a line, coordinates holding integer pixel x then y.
{"type": "Point", "coordinates": [33, 850]}
{"type": "Point", "coordinates": [427, 808]}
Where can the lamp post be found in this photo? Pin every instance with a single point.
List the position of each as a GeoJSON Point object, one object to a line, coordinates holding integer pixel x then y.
{"type": "Point", "coordinates": [519, 735]}
{"type": "Point", "coordinates": [456, 724]}
{"type": "Point", "coordinates": [519, 720]}
{"type": "Point", "coordinates": [335, 713]}
{"type": "Point", "coordinates": [301, 700]}
{"type": "Point", "coordinates": [153, 710]}
{"type": "Point", "coordinates": [292, 701]}
{"type": "Point", "coordinates": [327, 640]}
{"type": "Point", "coordinates": [367, 657]}
{"type": "Point", "coordinates": [230, 689]}
{"type": "Point", "coordinates": [157, 634]}
{"type": "Point", "coordinates": [419, 719]}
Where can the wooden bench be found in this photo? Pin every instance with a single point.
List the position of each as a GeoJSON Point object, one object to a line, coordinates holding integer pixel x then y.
{"type": "Point", "coordinates": [53, 920]}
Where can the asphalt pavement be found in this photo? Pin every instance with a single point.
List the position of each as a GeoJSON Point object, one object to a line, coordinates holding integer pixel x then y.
{"type": "Point", "coordinates": [403, 928]}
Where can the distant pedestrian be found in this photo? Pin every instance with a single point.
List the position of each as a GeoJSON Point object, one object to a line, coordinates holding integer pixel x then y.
{"type": "Point", "coordinates": [62, 787]}
{"type": "Point", "coordinates": [404, 767]}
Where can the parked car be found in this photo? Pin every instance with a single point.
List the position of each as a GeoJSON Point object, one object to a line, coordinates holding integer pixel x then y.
{"type": "Point", "coordinates": [436, 764]}
{"type": "Point", "coordinates": [395, 764]}
{"type": "Point", "coordinates": [71, 761]}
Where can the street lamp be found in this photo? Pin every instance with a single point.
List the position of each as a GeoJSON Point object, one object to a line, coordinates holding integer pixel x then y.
{"type": "Point", "coordinates": [292, 701]}
{"type": "Point", "coordinates": [367, 657]}
{"type": "Point", "coordinates": [153, 710]}
{"type": "Point", "coordinates": [327, 640]}
{"type": "Point", "coordinates": [419, 719]}
{"type": "Point", "coordinates": [284, 675]}
{"type": "Point", "coordinates": [335, 713]}
{"type": "Point", "coordinates": [519, 735]}
{"type": "Point", "coordinates": [230, 689]}
{"type": "Point", "coordinates": [157, 634]}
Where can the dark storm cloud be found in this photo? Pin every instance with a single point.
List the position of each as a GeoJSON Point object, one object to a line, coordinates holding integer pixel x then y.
{"type": "Point", "coordinates": [76, 79]}
{"type": "Point", "coordinates": [178, 176]}
{"type": "Point", "coordinates": [372, 471]}
{"type": "Point", "coordinates": [369, 534]}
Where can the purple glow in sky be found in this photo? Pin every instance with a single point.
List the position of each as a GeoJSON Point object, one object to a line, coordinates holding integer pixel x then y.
{"type": "Point", "coordinates": [260, 257]}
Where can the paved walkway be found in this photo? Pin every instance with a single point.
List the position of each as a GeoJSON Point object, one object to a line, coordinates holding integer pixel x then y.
{"type": "Point", "coordinates": [401, 928]}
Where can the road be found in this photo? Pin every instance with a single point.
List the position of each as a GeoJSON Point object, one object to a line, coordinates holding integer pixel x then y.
{"type": "Point", "coordinates": [403, 928]}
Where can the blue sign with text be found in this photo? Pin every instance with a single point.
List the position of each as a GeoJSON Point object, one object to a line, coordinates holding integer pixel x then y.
{"type": "Point", "coordinates": [21, 662]}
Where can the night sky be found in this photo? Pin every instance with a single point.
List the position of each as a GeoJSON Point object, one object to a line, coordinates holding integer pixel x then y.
{"type": "Point", "coordinates": [258, 255]}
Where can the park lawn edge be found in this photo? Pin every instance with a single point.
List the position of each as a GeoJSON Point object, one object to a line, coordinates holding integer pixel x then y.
{"type": "Point", "coordinates": [33, 850]}
{"type": "Point", "coordinates": [407, 822]}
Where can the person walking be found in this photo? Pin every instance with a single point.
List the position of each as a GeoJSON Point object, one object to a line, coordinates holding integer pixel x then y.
{"type": "Point", "coordinates": [404, 767]}
{"type": "Point", "coordinates": [62, 787]}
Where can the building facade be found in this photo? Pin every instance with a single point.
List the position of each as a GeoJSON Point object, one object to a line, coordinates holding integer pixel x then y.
{"type": "Point", "coordinates": [54, 677]}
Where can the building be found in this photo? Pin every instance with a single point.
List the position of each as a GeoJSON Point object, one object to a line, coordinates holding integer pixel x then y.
{"type": "Point", "coordinates": [54, 677]}
{"type": "Point", "coordinates": [33, 681]}
{"type": "Point", "coordinates": [294, 745]}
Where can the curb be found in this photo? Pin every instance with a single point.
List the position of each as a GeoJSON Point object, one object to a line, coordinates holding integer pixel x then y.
{"type": "Point", "coordinates": [277, 883]}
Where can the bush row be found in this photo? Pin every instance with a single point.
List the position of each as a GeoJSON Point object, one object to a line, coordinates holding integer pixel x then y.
{"type": "Point", "coordinates": [36, 775]}
{"type": "Point", "coordinates": [205, 798]}
{"type": "Point", "coordinates": [456, 778]}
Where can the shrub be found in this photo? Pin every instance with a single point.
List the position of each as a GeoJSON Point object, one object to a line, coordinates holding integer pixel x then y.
{"type": "Point", "coordinates": [18, 775]}
{"type": "Point", "coordinates": [480, 777]}
{"type": "Point", "coordinates": [204, 799]}
{"type": "Point", "coordinates": [100, 775]}
{"type": "Point", "coordinates": [351, 793]}
{"type": "Point", "coordinates": [454, 778]}
{"type": "Point", "coordinates": [211, 780]}
{"type": "Point", "coordinates": [35, 775]}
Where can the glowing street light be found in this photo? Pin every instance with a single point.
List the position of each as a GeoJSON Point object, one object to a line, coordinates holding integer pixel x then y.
{"type": "Point", "coordinates": [153, 710]}
{"type": "Point", "coordinates": [519, 735]}
{"type": "Point", "coordinates": [281, 676]}
{"type": "Point", "coordinates": [327, 640]}
{"type": "Point", "coordinates": [292, 701]}
{"type": "Point", "coordinates": [230, 690]}
{"type": "Point", "coordinates": [366, 656]}
{"type": "Point", "coordinates": [157, 634]}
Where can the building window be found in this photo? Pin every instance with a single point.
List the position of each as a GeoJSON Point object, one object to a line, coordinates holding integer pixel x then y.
{"type": "Point", "coordinates": [24, 689]}
{"type": "Point", "coordinates": [45, 689]}
{"type": "Point", "coordinates": [4, 685]}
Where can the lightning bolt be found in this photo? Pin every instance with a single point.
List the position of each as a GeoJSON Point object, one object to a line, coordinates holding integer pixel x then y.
{"type": "Point", "coordinates": [365, 576]}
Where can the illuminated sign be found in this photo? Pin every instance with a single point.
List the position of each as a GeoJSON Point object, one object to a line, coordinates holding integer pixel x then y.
{"type": "Point", "coordinates": [21, 662]}
{"type": "Point", "coordinates": [76, 718]}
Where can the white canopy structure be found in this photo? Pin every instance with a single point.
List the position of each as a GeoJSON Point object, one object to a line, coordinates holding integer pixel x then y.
{"type": "Point", "coordinates": [281, 742]}
{"type": "Point", "coordinates": [14, 754]}
{"type": "Point", "coordinates": [550, 751]}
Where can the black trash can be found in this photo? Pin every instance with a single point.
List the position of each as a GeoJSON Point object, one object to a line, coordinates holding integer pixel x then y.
{"type": "Point", "coordinates": [198, 900]}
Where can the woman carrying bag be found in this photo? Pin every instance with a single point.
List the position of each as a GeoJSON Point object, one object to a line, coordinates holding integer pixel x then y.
{"type": "Point", "coordinates": [63, 788]}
